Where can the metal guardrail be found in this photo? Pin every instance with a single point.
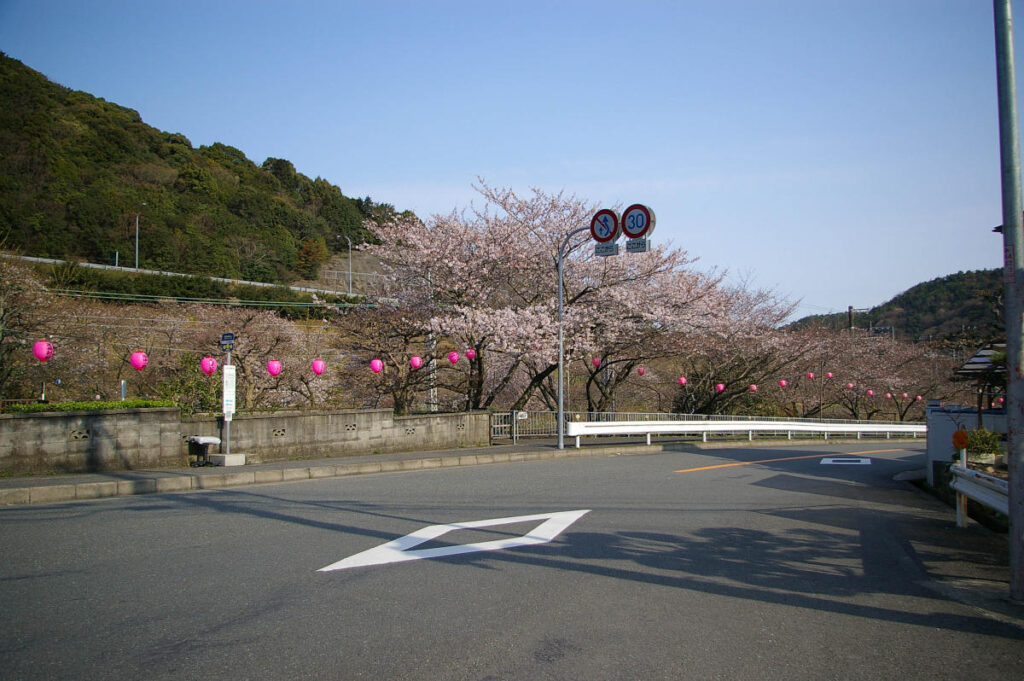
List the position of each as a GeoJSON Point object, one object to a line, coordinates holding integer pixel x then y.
{"type": "Point", "coordinates": [740, 425]}
{"type": "Point", "coordinates": [135, 270]}
{"type": "Point", "coordinates": [987, 490]}
{"type": "Point", "coordinates": [514, 425]}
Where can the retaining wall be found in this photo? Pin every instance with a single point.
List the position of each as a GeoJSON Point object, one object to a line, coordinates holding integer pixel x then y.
{"type": "Point", "coordinates": [156, 438]}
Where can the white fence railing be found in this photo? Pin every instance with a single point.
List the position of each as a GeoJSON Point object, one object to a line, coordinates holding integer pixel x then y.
{"type": "Point", "coordinates": [985, 489]}
{"type": "Point", "coordinates": [743, 426]}
{"type": "Point", "coordinates": [514, 425]}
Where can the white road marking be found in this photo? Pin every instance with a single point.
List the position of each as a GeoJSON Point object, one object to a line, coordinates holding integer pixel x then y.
{"type": "Point", "coordinates": [847, 461]}
{"type": "Point", "coordinates": [398, 551]}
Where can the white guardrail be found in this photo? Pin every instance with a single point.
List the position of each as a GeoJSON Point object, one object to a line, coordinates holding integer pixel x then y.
{"type": "Point", "coordinates": [578, 429]}
{"type": "Point", "coordinates": [985, 489]}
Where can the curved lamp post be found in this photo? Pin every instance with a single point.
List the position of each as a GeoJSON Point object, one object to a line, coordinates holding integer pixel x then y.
{"type": "Point", "coordinates": [561, 342]}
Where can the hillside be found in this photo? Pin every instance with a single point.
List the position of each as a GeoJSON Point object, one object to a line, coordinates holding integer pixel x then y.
{"type": "Point", "coordinates": [965, 304]}
{"type": "Point", "coordinates": [75, 171]}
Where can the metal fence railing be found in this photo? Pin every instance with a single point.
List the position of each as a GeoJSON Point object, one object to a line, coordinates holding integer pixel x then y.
{"type": "Point", "coordinates": [514, 425]}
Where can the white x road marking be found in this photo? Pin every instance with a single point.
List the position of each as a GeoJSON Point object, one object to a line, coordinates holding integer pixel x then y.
{"type": "Point", "coordinates": [398, 551]}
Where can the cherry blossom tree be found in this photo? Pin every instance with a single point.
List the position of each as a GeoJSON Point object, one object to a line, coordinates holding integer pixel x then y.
{"type": "Point", "coordinates": [883, 365]}
{"type": "Point", "coordinates": [394, 336]}
{"type": "Point", "coordinates": [487, 278]}
{"type": "Point", "coordinates": [24, 312]}
{"type": "Point", "coordinates": [743, 348]}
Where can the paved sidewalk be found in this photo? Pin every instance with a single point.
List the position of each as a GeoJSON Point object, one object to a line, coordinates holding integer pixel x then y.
{"type": "Point", "coordinates": [43, 489]}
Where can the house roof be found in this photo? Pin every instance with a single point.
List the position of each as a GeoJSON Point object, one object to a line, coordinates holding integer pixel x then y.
{"type": "Point", "coordinates": [980, 365]}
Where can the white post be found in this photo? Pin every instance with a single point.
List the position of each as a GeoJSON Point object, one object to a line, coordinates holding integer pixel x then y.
{"type": "Point", "coordinates": [961, 498]}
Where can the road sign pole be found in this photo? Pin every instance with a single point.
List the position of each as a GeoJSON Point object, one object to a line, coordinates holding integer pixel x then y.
{"type": "Point", "coordinates": [227, 416]}
{"type": "Point", "coordinates": [1013, 279]}
{"type": "Point", "coordinates": [561, 339]}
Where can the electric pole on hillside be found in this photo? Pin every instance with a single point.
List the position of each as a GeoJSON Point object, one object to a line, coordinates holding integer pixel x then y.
{"type": "Point", "coordinates": [1013, 279]}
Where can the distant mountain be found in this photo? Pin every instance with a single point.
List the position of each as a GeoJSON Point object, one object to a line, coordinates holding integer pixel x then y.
{"type": "Point", "coordinates": [965, 304]}
{"type": "Point", "coordinates": [77, 171]}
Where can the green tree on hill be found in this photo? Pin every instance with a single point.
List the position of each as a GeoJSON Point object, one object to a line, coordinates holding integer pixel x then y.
{"type": "Point", "coordinates": [75, 170]}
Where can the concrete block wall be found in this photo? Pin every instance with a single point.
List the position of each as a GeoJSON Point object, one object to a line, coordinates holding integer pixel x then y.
{"type": "Point", "coordinates": [308, 435]}
{"type": "Point", "coordinates": [70, 442]}
{"type": "Point", "coordinates": [89, 441]}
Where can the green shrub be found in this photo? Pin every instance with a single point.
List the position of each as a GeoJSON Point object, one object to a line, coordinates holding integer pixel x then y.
{"type": "Point", "coordinates": [982, 441]}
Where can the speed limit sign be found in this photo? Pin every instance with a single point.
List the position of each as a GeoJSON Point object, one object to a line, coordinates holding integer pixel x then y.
{"type": "Point", "coordinates": [637, 221]}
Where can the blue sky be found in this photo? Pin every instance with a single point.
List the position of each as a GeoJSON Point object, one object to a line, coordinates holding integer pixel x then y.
{"type": "Point", "coordinates": [838, 152]}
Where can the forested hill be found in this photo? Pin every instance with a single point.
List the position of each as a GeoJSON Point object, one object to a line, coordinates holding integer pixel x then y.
{"type": "Point", "coordinates": [75, 171]}
{"type": "Point", "coordinates": [965, 304]}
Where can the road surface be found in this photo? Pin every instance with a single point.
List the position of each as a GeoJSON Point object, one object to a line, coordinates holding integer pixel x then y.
{"type": "Point", "coordinates": [725, 564]}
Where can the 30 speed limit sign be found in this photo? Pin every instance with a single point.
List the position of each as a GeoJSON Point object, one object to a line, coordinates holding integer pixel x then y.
{"type": "Point", "coordinates": [637, 221]}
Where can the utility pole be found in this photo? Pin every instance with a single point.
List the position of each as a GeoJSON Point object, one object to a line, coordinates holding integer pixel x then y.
{"type": "Point", "coordinates": [143, 205]}
{"type": "Point", "coordinates": [1013, 279]}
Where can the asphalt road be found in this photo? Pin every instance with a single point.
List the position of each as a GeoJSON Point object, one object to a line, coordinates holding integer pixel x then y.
{"type": "Point", "coordinates": [762, 564]}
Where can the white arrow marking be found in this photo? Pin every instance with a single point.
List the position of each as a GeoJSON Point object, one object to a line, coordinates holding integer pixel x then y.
{"type": "Point", "coordinates": [398, 551]}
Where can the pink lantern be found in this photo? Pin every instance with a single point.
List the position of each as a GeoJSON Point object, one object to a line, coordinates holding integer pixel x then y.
{"type": "Point", "coordinates": [415, 361]}
{"type": "Point", "coordinates": [918, 398]}
{"type": "Point", "coordinates": [849, 386]}
{"type": "Point", "coordinates": [376, 366]}
{"type": "Point", "coordinates": [682, 380]}
{"type": "Point", "coordinates": [208, 365]}
{"type": "Point", "coordinates": [453, 357]}
{"type": "Point", "coordinates": [753, 387]}
{"type": "Point", "coordinates": [1001, 400]}
{"type": "Point", "coordinates": [905, 396]}
{"type": "Point", "coordinates": [42, 350]}
{"type": "Point", "coordinates": [720, 387]}
{"type": "Point", "coordinates": [274, 367]}
{"type": "Point", "coordinates": [810, 375]}
{"type": "Point", "coordinates": [871, 393]}
{"type": "Point", "coordinates": [640, 371]}
{"type": "Point", "coordinates": [139, 360]}
{"type": "Point", "coordinates": [318, 366]}
{"type": "Point", "coordinates": [783, 383]}
{"type": "Point", "coordinates": [828, 374]}
{"type": "Point", "coordinates": [888, 396]}
{"type": "Point", "coordinates": [470, 354]}
{"type": "Point", "coordinates": [596, 362]}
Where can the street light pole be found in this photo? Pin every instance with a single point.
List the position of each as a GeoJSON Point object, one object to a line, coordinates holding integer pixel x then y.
{"type": "Point", "coordinates": [137, 237]}
{"type": "Point", "coordinates": [561, 345]}
{"type": "Point", "coordinates": [349, 265]}
{"type": "Point", "coordinates": [1013, 279]}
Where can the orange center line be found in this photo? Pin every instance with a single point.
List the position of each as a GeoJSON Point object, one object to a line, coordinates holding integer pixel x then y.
{"type": "Point", "coordinates": [786, 458]}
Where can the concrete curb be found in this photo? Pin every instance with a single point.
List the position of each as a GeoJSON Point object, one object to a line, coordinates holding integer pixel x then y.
{"type": "Point", "coordinates": [48, 494]}
{"type": "Point", "coordinates": [187, 482]}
